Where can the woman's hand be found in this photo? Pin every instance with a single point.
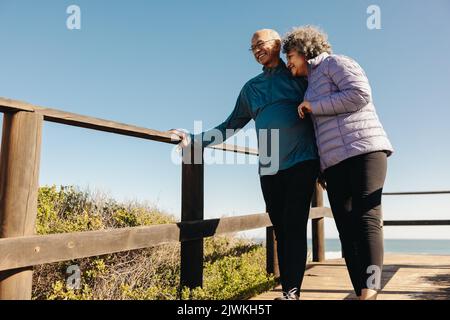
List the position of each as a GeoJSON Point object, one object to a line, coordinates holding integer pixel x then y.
{"type": "Point", "coordinates": [304, 108]}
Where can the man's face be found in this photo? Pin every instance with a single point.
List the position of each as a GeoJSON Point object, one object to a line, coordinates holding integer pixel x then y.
{"type": "Point", "coordinates": [265, 48]}
{"type": "Point", "coordinates": [296, 63]}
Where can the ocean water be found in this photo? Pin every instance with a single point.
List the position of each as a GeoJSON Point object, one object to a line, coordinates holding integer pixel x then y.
{"type": "Point", "coordinates": [414, 246]}
{"type": "Point", "coordinates": [409, 246]}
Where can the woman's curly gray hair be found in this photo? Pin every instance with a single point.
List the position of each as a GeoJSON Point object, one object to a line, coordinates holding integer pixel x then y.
{"type": "Point", "coordinates": [308, 40]}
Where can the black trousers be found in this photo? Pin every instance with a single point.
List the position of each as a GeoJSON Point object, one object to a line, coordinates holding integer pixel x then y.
{"type": "Point", "coordinates": [288, 198]}
{"type": "Point", "coordinates": [354, 188]}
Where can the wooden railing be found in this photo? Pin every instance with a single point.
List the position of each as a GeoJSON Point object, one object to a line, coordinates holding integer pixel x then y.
{"type": "Point", "coordinates": [21, 249]}
{"type": "Point", "coordinates": [416, 222]}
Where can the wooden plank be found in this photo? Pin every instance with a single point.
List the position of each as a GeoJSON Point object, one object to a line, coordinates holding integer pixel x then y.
{"type": "Point", "coordinates": [416, 223]}
{"type": "Point", "coordinates": [318, 239]}
{"type": "Point", "coordinates": [405, 277]}
{"type": "Point", "coordinates": [27, 251]}
{"type": "Point", "coordinates": [194, 230]}
{"type": "Point", "coordinates": [318, 227]}
{"type": "Point", "coordinates": [34, 250]}
{"type": "Point", "coordinates": [16, 252]}
{"type": "Point", "coordinates": [234, 148]}
{"type": "Point", "coordinates": [320, 212]}
{"type": "Point", "coordinates": [272, 266]}
{"type": "Point", "coordinates": [73, 119]}
{"type": "Point", "coordinates": [19, 177]}
{"type": "Point", "coordinates": [416, 193]}
{"type": "Point", "coordinates": [77, 120]}
{"type": "Point", "coordinates": [192, 203]}
{"type": "Point", "coordinates": [11, 106]}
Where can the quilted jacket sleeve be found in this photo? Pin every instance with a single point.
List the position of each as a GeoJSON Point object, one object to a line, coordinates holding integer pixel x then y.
{"type": "Point", "coordinates": [353, 88]}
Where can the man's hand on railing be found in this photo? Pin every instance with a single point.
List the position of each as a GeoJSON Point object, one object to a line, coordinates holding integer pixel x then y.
{"type": "Point", "coordinates": [183, 135]}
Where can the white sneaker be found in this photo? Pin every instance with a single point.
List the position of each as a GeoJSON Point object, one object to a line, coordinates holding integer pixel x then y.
{"type": "Point", "coordinates": [290, 295]}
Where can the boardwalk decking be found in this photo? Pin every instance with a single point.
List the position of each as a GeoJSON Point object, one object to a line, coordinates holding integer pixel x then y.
{"type": "Point", "coordinates": [405, 277]}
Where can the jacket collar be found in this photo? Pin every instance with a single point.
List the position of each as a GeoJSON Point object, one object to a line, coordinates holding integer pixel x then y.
{"type": "Point", "coordinates": [315, 62]}
{"type": "Point", "coordinates": [281, 66]}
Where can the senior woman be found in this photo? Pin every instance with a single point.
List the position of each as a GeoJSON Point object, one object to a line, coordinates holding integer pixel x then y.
{"type": "Point", "coordinates": [353, 149]}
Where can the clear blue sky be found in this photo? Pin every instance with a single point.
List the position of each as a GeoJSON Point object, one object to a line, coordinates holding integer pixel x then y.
{"type": "Point", "coordinates": [164, 64]}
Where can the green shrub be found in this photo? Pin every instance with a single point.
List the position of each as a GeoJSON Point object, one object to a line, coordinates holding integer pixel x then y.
{"type": "Point", "coordinates": [233, 277]}
{"type": "Point", "coordinates": [233, 268]}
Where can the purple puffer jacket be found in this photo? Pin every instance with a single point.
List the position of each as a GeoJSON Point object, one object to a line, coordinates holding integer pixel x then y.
{"type": "Point", "coordinates": [345, 120]}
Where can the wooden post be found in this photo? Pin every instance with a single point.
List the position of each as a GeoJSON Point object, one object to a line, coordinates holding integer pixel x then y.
{"type": "Point", "coordinates": [192, 209]}
{"type": "Point", "coordinates": [19, 182]}
{"type": "Point", "coordinates": [271, 253]}
{"type": "Point", "coordinates": [318, 233]}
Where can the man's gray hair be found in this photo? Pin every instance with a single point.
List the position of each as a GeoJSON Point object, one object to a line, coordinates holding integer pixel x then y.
{"type": "Point", "coordinates": [273, 34]}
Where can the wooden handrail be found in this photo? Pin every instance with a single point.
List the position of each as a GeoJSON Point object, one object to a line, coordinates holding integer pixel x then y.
{"type": "Point", "coordinates": [410, 193]}
{"type": "Point", "coordinates": [417, 222]}
{"type": "Point", "coordinates": [9, 105]}
{"type": "Point", "coordinates": [77, 120]}
{"type": "Point", "coordinates": [27, 251]}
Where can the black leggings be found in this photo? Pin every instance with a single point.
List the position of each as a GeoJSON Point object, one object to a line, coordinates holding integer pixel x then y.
{"type": "Point", "coordinates": [288, 197]}
{"type": "Point", "coordinates": [354, 189]}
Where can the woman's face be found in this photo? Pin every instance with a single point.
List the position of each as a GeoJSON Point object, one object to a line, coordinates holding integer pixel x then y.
{"type": "Point", "coordinates": [297, 63]}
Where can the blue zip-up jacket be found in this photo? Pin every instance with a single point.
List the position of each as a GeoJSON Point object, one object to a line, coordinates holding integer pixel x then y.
{"type": "Point", "coordinates": [271, 99]}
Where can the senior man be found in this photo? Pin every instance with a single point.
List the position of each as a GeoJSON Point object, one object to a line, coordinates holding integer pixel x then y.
{"type": "Point", "coordinates": [287, 181]}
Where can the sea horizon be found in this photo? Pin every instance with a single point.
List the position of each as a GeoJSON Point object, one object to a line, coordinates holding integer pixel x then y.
{"type": "Point", "coordinates": [404, 246]}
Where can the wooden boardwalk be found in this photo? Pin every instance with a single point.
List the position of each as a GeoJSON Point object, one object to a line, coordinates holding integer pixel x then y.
{"type": "Point", "coordinates": [405, 277]}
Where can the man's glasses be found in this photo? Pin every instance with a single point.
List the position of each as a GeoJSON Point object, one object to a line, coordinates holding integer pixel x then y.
{"type": "Point", "coordinates": [259, 45]}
